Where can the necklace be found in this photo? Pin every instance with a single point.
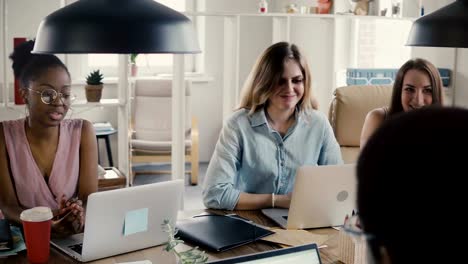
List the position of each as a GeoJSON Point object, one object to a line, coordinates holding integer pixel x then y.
{"type": "Point", "coordinates": [282, 127]}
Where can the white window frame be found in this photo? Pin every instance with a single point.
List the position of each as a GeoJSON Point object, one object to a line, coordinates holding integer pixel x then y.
{"type": "Point", "coordinates": [356, 44]}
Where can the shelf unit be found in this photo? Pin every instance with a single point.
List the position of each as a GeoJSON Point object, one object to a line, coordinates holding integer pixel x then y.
{"type": "Point", "coordinates": [291, 15]}
{"type": "Point", "coordinates": [76, 104]}
{"type": "Point", "coordinates": [281, 31]}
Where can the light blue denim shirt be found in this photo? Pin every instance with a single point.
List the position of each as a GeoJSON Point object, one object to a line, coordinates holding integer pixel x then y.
{"type": "Point", "coordinates": [252, 157]}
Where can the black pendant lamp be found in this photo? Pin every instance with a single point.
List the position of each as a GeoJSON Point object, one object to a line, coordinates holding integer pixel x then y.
{"type": "Point", "coordinates": [116, 26]}
{"type": "Point", "coordinates": [445, 27]}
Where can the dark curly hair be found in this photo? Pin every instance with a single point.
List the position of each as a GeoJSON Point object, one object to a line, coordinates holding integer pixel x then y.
{"type": "Point", "coordinates": [28, 66]}
{"type": "Point", "coordinates": [410, 185]}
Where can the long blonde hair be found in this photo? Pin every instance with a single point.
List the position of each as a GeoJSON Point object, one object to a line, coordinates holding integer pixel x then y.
{"type": "Point", "coordinates": [266, 73]}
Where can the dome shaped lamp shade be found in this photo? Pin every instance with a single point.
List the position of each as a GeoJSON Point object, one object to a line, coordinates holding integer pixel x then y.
{"type": "Point", "coordinates": [116, 26]}
{"type": "Point", "coordinates": [445, 27]}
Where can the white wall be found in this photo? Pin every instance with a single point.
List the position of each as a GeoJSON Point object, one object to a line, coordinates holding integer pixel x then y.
{"type": "Point", "coordinates": [208, 97]}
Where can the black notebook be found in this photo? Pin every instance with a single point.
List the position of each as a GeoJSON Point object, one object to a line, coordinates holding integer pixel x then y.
{"type": "Point", "coordinates": [219, 232]}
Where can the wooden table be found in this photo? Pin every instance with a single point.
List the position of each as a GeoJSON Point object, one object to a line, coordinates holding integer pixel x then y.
{"type": "Point", "coordinates": [328, 254]}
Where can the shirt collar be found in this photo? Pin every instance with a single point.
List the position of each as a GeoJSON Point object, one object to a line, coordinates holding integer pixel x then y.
{"type": "Point", "coordinates": [258, 118]}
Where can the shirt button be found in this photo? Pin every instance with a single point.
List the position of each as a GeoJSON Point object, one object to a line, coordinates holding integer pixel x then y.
{"type": "Point", "coordinates": [282, 163]}
{"type": "Point", "coordinates": [280, 144]}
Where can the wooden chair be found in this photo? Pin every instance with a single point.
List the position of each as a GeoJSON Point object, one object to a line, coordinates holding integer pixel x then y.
{"type": "Point", "coordinates": [151, 122]}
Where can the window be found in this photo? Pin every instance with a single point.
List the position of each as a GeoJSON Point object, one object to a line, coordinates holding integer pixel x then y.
{"type": "Point", "coordinates": [148, 64]}
{"type": "Point", "coordinates": [381, 43]}
{"type": "Point", "coordinates": [376, 43]}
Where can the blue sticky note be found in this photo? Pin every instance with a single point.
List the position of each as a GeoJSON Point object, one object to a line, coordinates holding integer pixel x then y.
{"type": "Point", "coordinates": [136, 221]}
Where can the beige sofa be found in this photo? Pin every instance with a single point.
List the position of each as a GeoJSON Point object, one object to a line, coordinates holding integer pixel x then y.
{"type": "Point", "coordinates": [348, 110]}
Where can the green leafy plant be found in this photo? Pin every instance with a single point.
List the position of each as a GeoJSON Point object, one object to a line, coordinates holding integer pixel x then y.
{"type": "Point", "coordinates": [94, 78]}
{"type": "Point", "coordinates": [190, 256]}
{"type": "Point", "coordinates": [133, 57]}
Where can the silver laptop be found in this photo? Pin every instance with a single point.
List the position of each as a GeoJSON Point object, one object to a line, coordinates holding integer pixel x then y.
{"type": "Point", "coordinates": [305, 254]}
{"type": "Point", "coordinates": [322, 197]}
{"type": "Point", "coordinates": [124, 220]}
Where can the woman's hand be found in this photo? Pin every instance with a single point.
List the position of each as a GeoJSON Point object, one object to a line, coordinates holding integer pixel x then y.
{"type": "Point", "coordinates": [69, 218]}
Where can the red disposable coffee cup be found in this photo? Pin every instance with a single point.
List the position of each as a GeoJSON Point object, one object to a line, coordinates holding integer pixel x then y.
{"type": "Point", "coordinates": [36, 224]}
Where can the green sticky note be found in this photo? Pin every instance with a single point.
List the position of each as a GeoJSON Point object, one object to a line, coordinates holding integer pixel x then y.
{"type": "Point", "coordinates": [136, 221]}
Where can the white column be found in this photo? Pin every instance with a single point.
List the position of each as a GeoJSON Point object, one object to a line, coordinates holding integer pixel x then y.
{"type": "Point", "coordinates": [281, 29]}
{"type": "Point", "coordinates": [178, 119]}
{"type": "Point", "coordinates": [123, 114]}
{"type": "Point", "coordinates": [200, 25]}
{"type": "Point", "coordinates": [5, 59]}
{"type": "Point", "coordinates": [231, 87]}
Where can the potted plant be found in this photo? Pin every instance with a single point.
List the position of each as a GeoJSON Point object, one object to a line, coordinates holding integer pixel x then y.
{"type": "Point", "coordinates": [190, 256]}
{"type": "Point", "coordinates": [94, 86]}
{"type": "Point", "coordinates": [133, 66]}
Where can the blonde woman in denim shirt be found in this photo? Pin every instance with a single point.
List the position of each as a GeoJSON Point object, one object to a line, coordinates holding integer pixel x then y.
{"type": "Point", "coordinates": [276, 129]}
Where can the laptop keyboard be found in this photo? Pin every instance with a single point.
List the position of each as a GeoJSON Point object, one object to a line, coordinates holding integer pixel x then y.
{"type": "Point", "coordinates": [77, 248]}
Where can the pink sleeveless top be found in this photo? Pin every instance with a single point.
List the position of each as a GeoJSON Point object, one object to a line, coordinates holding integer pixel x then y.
{"type": "Point", "coordinates": [31, 188]}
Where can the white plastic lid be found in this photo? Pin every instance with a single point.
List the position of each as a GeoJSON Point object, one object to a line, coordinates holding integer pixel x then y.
{"type": "Point", "coordinates": [36, 214]}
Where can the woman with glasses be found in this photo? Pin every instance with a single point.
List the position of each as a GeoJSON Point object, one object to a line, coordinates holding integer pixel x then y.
{"type": "Point", "coordinates": [46, 160]}
{"type": "Point", "coordinates": [276, 129]}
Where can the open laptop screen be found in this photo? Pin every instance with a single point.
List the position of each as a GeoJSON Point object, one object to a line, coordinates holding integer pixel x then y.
{"type": "Point", "coordinates": [306, 254]}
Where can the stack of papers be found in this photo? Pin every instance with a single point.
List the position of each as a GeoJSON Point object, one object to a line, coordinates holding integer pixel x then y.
{"type": "Point", "coordinates": [290, 237]}
{"type": "Point", "coordinates": [18, 243]}
{"type": "Point", "coordinates": [105, 126]}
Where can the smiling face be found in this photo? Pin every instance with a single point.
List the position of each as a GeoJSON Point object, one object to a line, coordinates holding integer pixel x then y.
{"type": "Point", "coordinates": [290, 88]}
{"type": "Point", "coordinates": [55, 78]}
{"type": "Point", "coordinates": [416, 91]}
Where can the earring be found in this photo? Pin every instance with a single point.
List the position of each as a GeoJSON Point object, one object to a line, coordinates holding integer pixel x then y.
{"type": "Point", "coordinates": [26, 110]}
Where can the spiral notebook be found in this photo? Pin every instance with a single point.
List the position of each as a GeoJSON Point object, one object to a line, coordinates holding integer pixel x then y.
{"type": "Point", "coordinates": [219, 233]}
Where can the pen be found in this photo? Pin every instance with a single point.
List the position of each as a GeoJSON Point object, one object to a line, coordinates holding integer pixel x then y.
{"type": "Point", "coordinates": [67, 203]}
{"type": "Point", "coordinates": [71, 201]}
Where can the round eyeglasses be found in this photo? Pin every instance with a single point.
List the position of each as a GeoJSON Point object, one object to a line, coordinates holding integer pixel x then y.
{"type": "Point", "coordinates": [50, 95]}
